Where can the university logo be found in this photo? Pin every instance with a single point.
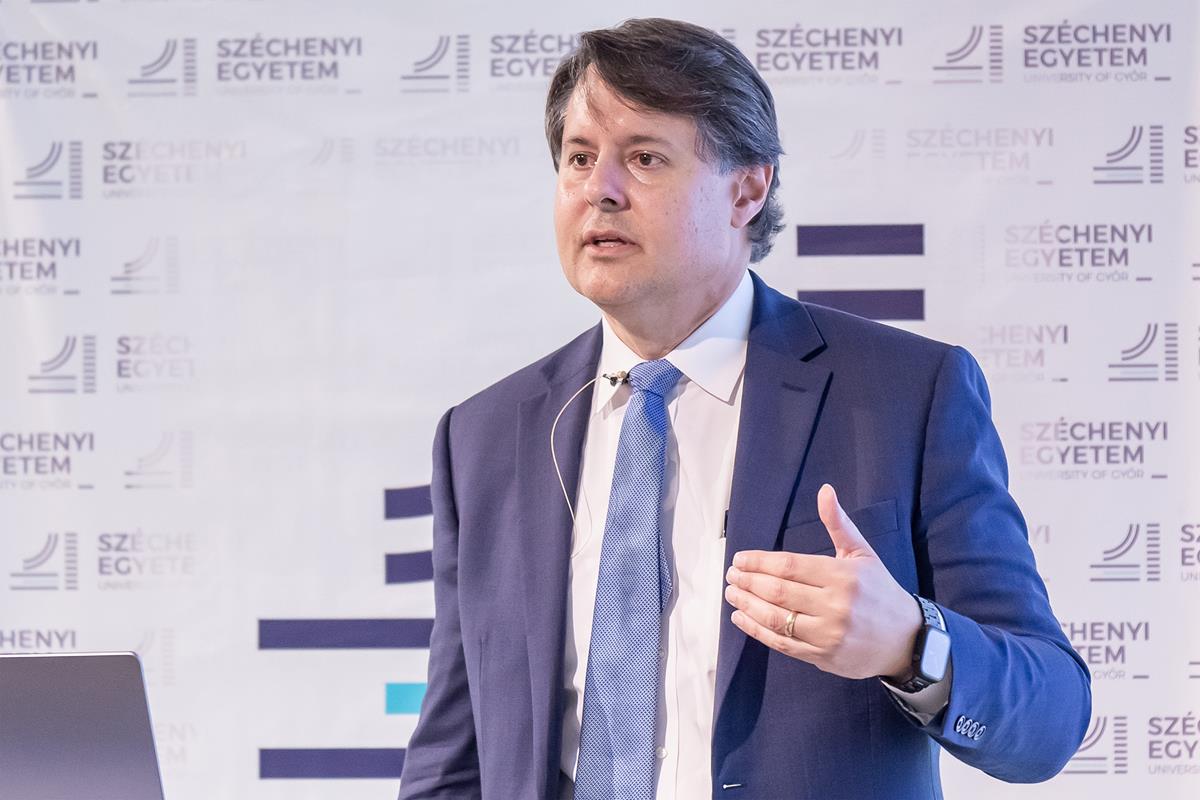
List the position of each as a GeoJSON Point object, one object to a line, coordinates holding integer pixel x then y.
{"type": "Point", "coordinates": [53, 568]}
{"type": "Point", "coordinates": [32, 265]}
{"type": "Point", "coordinates": [154, 362]}
{"type": "Point", "coordinates": [1094, 52]}
{"type": "Point", "coordinates": [1138, 160]}
{"type": "Point", "coordinates": [129, 560]}
{"type": "Point", "coordinates": [1137, 557]}
{"type": "Point", "coordinates": [158, 167]}
{"type": "Point", "coordinates": [979, 150]}
{"type": "Point", "coordinates": [334, 151]}
{"type": "Point", "coordinates": [1112, 649]}
{"type": "Point", "coordinates": [1152, 358]}
{"type": "Point", "coordinates": [252, 65]}
{"type": "Point", "coordinates": [58, 175]}
{"type": "Point", "coordinates": [441, 71]}
{"type": "Point", "coordinates": [172, 741]}
{"type": "Point", "coordinates": [1093, 449]}
{"type": "Point", "coordinates": [526, 60]}
{"type": "Point", "coordinates": [1174, 739]}
{"type": "Point", "coordinates": [168, 466]}
{"type": "Point", "coordinates": [402, 151]}
{"type": "Point", "coordinates": [43, 459]}
{"type": "Point", "coordinates": [867, 143]}
{"type": "Point", "coordinates": [153, 271]}
{"type": "Point", "coordinates": [1078, 252]}
{"type": "Point", "coordinates": [1019, 351]}
{"type": "Point", "coordinates": [974, 61]}
{"type": "Point", "coordinates": [171, 74]}
{"type": "Point", "coordinates": [1104, 749]}
{"type": "Point", "coordinates": [1189, 555]}
{"type": "Point", "coordinates": [156, 650]}
{"type": "Point", "coordinates": [72, 370]}
{"type": "Point", "coordinates": [1191, 154]}
{"type": "Point", "coordinates": [44, 70]}
{"type": "Point", "coordinates": [38, 640]}
{"type": "Point", "coordinates": [824, 54]}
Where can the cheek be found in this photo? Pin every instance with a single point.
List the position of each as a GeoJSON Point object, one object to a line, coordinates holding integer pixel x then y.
{"type": "Point", "coordinates": [696, 219]}
{"type": "Point", "coordinates": [710, 214]}
{"type": "Point", "coordinates": [563, 202]}
{"type": "Point", "coordinates": [568, 197]}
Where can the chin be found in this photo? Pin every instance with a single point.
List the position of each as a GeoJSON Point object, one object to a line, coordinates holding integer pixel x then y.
{"type": "Point", "coordinates": [606, 286]}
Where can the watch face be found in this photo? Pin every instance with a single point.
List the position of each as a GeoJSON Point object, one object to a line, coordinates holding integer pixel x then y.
{"type": "Point", "coordinates": [935, 655]}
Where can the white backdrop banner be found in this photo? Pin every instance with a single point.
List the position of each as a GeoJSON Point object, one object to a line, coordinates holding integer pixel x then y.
{"type": "Point", "coordinates": [251, 249]}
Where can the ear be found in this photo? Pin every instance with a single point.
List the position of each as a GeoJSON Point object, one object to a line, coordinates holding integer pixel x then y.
{"type": "Point", "coordinates": [750, 193]}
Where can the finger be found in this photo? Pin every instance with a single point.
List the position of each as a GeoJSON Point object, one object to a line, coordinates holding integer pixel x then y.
{"type": "Point", "coordinates": [847, 541]}
{"type": "Point", "coordinates": [798, 567]}
{"type": "Point", "coordinates": [805, 627]}
{"type": "Point", "coordinates": [773, 640]}
{"type": "Point", "coordinates": [777, 591]}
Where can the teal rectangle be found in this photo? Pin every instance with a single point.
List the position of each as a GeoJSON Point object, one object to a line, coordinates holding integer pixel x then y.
{"type": "Point", "coordinates": [404, 698]}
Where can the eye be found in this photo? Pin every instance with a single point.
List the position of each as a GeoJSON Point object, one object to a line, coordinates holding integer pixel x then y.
{"type": "Point", "coordinates": [647, 159]}
{"type": "Point", "coordinates": [578, 159]}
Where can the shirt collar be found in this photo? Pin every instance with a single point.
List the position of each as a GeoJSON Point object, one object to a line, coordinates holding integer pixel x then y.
{"type": "Point", "coordinates": [712, 357]}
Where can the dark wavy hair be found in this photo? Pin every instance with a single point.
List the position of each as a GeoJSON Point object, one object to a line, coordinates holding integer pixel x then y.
{"type": "Point", "coordinates": [678, 68]}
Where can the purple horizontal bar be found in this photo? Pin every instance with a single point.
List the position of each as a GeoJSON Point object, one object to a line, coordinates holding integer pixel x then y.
{"type": "Point", "coordinates": [408, 567]}
{"type": "Point", "coordinates": [881, 304]}
{"type": "Point", "coordinates": [860, 240]}
{"type": "Point", "coordinates": [343, 634]}
{"type": "Point", "coordinates": [376, 762]}
{"type": "Point", "coordinates": [412, 501]}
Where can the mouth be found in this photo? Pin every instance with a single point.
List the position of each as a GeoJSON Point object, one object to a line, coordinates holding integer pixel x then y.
{"type": "Point", "coordinates": [606, 241]}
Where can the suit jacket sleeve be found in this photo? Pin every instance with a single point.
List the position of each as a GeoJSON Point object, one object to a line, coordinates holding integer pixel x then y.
{"type": "Point", "coordinates": [1015, 674]}
{"type": "Point", "coordinates": [442, 760]}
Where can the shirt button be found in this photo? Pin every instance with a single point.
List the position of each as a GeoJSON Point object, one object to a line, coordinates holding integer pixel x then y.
{"type": "Point", "coordinates": [661, 752]}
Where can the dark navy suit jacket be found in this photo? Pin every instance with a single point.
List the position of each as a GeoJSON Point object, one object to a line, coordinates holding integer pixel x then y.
{"type": "Point", "coordinates": [901, 426]}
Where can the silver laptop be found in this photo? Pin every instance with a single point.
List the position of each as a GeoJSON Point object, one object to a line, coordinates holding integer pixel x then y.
{"type": "Point", "coordinates": [76, 726]}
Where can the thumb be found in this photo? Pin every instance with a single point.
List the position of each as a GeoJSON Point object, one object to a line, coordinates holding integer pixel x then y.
{"type": "Point", "coordinates": [846, 539]}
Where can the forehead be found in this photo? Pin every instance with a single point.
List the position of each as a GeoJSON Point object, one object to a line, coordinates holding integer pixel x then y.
{"type": "Point", "coordinates": [596, 110]}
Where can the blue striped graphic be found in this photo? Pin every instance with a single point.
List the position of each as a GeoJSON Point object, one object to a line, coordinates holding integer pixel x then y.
{"type": "Point", "coordinates": [408, 567]}
{"type": "Point", "coordinates": [880, 304]}
{"type": "Point", "coordinates": [330, 763]}
{"type": "Point", "coordinates": [412, 501]}
{"type": "Point", "coordinates": [343, 634]}
{"type": "Point", "coordinates": [403, 698]}
{"type": "Point", "coordinates": [860, 240]}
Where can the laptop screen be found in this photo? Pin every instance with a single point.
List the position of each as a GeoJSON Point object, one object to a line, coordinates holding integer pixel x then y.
{"type": "Point", "coordinates": [75, 726]}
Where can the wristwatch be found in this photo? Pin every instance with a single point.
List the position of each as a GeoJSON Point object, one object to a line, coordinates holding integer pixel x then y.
{"type": "Point", "coordinates": [931, 654]}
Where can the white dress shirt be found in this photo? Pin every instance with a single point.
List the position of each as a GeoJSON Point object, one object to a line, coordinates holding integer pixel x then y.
{"type": "Point", "coordinates": [704, 409]}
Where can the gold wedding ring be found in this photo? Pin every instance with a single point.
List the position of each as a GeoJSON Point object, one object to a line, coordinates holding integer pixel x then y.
{"type": "Point", "coordinates": [789, 623]}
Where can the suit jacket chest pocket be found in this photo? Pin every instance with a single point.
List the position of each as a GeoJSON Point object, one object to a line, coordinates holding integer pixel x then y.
{"type": "Point", "coordinates": [875, 522]}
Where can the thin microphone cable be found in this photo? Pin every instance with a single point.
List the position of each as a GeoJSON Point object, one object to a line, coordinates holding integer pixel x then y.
{"type": "Point", "coordinates": [614, 379]}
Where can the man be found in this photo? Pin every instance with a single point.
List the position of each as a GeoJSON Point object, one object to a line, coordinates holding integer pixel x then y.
{"type": "Point", "coordinates": [585, 643]}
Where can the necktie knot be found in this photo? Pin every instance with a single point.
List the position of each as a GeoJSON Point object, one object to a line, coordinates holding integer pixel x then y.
{"type": "Point", "coordinates": [656, 377]}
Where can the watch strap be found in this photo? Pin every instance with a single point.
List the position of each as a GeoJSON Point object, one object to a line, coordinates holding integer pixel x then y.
{"type": "Point", "coordinates": [932, 619]}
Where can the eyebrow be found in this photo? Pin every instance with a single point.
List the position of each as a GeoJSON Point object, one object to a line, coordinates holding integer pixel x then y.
{"type": "Point", "coordinates": [629, 141]}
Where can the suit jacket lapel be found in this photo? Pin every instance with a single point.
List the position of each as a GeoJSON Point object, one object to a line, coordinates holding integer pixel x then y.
{"type": "Point", "coordinates": [546, 524]}
{"type": "Point", "coordinates": [781, 398]}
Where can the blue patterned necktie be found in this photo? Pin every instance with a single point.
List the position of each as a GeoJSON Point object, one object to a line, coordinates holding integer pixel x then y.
{"type": "Point", "coordinates": [620, 693]}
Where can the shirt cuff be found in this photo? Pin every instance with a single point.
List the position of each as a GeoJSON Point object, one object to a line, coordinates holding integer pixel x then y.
{"type": "Point", "coordinates": [924, 705]}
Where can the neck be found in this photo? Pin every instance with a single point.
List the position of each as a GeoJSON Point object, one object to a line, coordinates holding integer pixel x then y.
{"type": "Point", "coordinates": [653, 332]}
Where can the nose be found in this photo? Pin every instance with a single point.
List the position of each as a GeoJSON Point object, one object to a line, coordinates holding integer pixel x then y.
{"type": "Point", "coordinates": [605, 186]}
